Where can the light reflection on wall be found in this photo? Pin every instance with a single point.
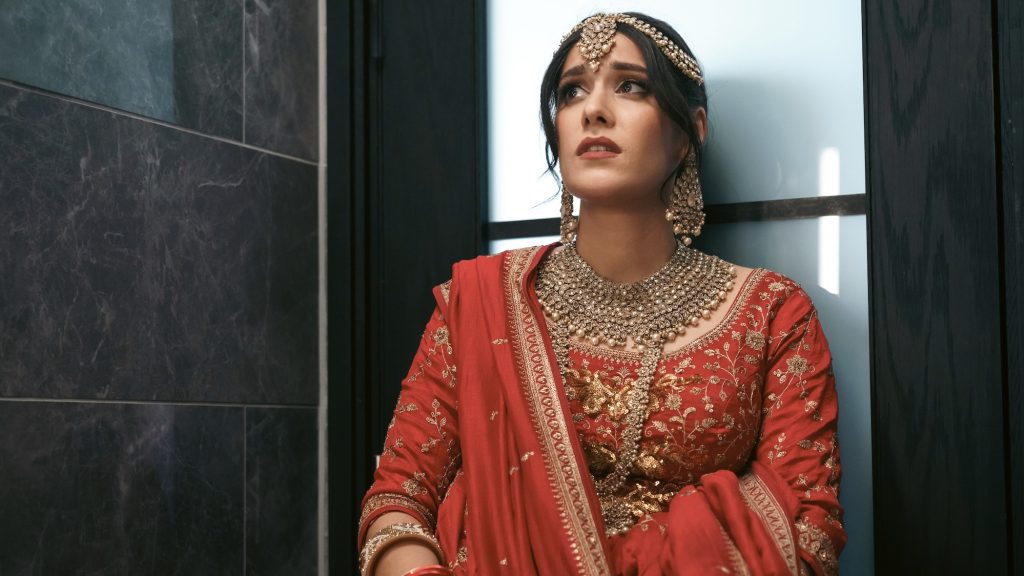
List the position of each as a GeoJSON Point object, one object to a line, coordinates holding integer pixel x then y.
{"type": "Point", "coordinates": [828, 226]}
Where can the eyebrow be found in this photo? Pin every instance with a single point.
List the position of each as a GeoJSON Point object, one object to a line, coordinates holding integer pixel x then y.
{"type": "Point", "coordinates": [578, 70]}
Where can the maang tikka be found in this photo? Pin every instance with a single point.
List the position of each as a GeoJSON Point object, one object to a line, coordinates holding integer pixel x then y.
{"type": "Point", "coordinates": [569, 223]}
{"type": "Point", "coordinates": [686, 206]}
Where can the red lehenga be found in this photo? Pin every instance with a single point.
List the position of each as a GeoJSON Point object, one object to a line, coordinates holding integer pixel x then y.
{"type": "Point", "coordinates": [739, 465]}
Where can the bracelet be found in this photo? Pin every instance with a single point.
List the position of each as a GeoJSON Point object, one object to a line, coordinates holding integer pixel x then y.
{"type": "Point", "coordinates": [432, 570]}
{"type": "Point", "coordinates": [389, 536]}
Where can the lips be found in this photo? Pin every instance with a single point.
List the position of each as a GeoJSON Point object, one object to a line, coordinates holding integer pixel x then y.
{"type": "Point", "coordinates": [597, 148]}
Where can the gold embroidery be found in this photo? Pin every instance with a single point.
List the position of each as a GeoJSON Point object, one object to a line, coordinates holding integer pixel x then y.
{"type": "Point", "coordinates": [763, 502]}
{"type": "Point", "coordinates": [498, 341]}
{"type": "Point", "coordinates": [438, 347]}
{"type": "Point", "coordinates": [461, 557]}
{"type": "Point", "coordinates": [536, 374]}
{"type": "Point", "coordinates": [446, 287]}
{"type": "Point", "coordinates": [735, 558]}
{"type": "Point", "coordinates": [413, 486]}
{"type": "Point", "coordinates": [377, 502]}
{"type": "Point", "coordinates": [818, 545]}
{"type": "Point", "coordinates": [493, 415]}
{"type": "Point", "coordinates": [777, 451]}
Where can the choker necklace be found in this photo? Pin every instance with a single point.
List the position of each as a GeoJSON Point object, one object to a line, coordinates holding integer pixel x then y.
{"type": "Point", "coordinates": [579, 303]}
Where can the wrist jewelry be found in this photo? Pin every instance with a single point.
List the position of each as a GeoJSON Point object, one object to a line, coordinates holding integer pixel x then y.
{"type": "Point", "coordinates": [432, 570]}
{"type": "Point", "coordinates": [388, 537]}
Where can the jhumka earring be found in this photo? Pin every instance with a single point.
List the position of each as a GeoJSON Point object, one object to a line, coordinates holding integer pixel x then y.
{"type": "Point", "coordinates": [686, 207]}
{"type": "Point", "coordinates": [569, 222]}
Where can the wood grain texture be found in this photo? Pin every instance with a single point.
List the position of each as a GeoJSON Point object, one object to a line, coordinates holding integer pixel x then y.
{"type": "Point", "coordinates": [1011, 98]}
{"type": "Point", "coordinates": [940, 498]}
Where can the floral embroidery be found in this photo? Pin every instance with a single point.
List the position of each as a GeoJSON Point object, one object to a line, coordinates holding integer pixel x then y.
{"type": "Point", "coordinates": [818, 545]}
{"type": "Point", "coordinates": [438, 348]}
{"type": "Point", "coordinates": [797, 365]}
{"type": "Point", "coordinates": [413, 486]}
{"type": "Point", "coordinates": [706, 405]}
{"type": "Point", "coordinates": [755, 340]}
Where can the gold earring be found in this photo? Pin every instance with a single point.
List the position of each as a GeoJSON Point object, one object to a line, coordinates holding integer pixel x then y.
{"type": "Point", "coordinates": [569, 223]}
{"type": "Point", "coordinates": [686, 207]}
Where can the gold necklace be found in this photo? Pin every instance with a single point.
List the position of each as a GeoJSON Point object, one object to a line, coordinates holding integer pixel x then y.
{"type": "Point", "coordinates": [655, 310]}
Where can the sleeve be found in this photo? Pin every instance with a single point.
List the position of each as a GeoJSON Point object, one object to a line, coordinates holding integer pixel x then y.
{"type": "Point", "coordinates": [421, 450]}
{"type": "Point", "coordinates": [798, 432]}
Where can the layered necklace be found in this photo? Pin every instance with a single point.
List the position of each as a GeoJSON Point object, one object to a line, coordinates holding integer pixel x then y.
{"type": "Point", "coordinates": [580, 304]}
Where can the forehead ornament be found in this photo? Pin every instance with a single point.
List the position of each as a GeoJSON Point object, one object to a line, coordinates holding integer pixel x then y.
{"type": "Point", "coordinates": [597, 36]}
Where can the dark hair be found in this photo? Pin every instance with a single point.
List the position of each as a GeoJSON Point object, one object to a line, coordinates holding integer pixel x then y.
{"type": "Point", "coordinates": [677, 94]}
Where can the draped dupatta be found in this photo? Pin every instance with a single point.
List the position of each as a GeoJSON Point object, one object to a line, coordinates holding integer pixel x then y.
{"type": "Point", "coordinates": [521, 500]}
{"type": "Point", "coordinates": [527, 501]}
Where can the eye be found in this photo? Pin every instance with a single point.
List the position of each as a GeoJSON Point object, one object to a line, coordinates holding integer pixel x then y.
{"type": "Point", "coordinates": [568, 92]}
{"type": "Point", "coordinates": [633, 87]}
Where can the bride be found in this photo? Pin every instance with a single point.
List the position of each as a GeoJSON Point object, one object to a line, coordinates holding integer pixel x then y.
{"type": "Point", "coordinates": [616, 403]}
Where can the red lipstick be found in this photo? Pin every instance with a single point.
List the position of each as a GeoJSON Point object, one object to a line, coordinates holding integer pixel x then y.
{"type": "Point", "coordinates": [597, 148]}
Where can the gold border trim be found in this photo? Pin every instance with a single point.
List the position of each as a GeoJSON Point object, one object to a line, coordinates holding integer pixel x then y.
{"type": "Point", "coordinates": [388, 499]}
{"type": "Point", "coordinates": [538, 384]}
{"type": "Point", "coordinates": [760, 499]}
{"type": "Point", "coordinates": [735, 558]}
{"type": "Point", "coordinates": [818, 545]}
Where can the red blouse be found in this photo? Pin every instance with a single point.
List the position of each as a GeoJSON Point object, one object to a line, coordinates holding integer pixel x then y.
{"type": "Point", "coordinates": [759, 386]}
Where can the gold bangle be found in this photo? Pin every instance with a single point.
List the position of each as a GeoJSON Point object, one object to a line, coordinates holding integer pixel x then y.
{"type": "Point", "coordinates": [389, 536]}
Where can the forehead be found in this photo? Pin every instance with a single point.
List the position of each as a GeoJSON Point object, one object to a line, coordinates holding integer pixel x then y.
{"type": "Point", "coordinates": [624, 50]}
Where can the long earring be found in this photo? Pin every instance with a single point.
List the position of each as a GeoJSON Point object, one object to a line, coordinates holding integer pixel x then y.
{"type": "Point", "coordinates": [686, 208]}
{"type": "Point", "coordinates": [569, 223]}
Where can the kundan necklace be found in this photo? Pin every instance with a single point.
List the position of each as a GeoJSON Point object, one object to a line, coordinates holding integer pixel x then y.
{"type": "Point", "coordinates": [579, 303]}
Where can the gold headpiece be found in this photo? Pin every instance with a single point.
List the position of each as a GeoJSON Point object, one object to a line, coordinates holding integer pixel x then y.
{"type": "Point", "coordinates": [598, 37]}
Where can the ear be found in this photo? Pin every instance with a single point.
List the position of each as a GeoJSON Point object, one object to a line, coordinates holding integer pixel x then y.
{"type": "Point", "coordinates": [700, 121]}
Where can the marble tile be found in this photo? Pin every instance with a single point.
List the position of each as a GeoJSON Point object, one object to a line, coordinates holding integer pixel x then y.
{"type": "Point", "coordinates": [144, 262]}
{"type": "Point", "coordinates": [88, 489]}
{"type": "Point", "coordinates": [176, 60]}
{"type": "Point", "coordinates": [281, 100]}
{"type": "Point", "coordinates": [281, 491]}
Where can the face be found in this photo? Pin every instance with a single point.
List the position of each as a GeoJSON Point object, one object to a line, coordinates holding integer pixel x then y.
{"type": "Point", "coordinates": [615, 144]}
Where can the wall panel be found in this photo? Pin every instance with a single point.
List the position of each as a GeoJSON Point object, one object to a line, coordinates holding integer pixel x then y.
{"type": "Point", "coordinates": [940, 497]}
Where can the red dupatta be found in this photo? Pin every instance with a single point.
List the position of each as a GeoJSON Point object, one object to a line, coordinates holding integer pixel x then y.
{"type": "Point", "coordinates": [525, 499]}
{"type": "Point", "coordinates": [527, 502]}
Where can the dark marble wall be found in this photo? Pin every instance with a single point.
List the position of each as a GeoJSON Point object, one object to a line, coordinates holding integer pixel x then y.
{"type": "Point", "coordinates": [240, 69]}
{"type": "Point", "coordinates": [158, 287]}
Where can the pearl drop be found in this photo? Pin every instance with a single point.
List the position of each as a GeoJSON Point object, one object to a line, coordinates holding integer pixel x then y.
{"type": "Point", "coordinates": [728, 285]}
{"type": "Point", "coordinates": [595, 340]}
{"type": "Point", "coordinates": [705, 314]}
{"type": "Point", "coordinates": [687, 241]}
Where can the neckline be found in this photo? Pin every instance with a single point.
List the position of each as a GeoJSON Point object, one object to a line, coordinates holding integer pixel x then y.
{"type": "Point", "coordinates": [746, 288]}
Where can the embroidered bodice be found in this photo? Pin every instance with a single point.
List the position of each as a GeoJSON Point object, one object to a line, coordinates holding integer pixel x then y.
{"type": "Point", "coordinates": [705, 405]}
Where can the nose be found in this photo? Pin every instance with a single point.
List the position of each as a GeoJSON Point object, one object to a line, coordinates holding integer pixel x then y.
{"type": "Point", "coordinates": [597, 108]}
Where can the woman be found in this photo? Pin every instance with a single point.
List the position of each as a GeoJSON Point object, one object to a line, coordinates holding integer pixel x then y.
{"type": "Point", "coordinates": [619, 404]}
